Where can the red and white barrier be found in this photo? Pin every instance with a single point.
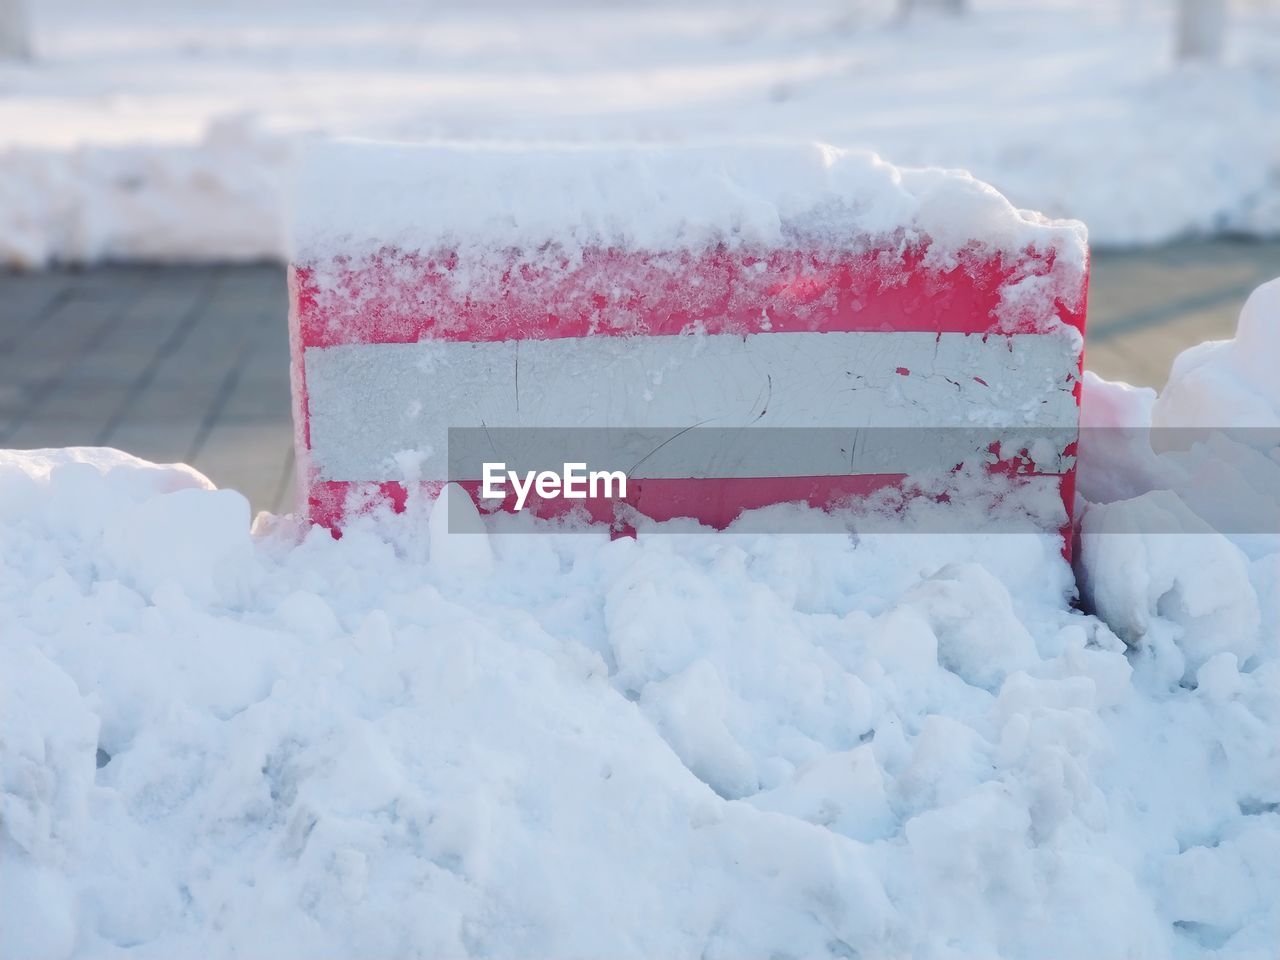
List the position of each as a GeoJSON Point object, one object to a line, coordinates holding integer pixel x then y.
{"type": "Point", "coordinates": [749, 287]}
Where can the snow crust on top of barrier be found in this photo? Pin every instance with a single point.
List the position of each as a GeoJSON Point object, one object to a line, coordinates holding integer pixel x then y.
{"type": "Point", "coordinates": [357, 197]}
{"type": "Point", "coordinates": [610, 237]}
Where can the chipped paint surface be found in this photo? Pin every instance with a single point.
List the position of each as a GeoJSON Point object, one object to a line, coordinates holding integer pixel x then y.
{"type": "Point", "coordinates": [369, 402]}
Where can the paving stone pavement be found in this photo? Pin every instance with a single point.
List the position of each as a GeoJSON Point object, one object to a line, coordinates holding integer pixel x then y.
{"type": "Point", "coordinates": [169, 363]}
{"type": "Point", "coordinates": [191, 363]}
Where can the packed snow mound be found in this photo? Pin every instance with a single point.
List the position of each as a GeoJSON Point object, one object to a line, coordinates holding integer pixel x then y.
{"type": "Point", "coordinates": [1230, 383]}
{"type": "Point", "coordinates": [1186, 595]}
{"type": "Point", "coordinates": [542, 742]}
{"type": "Point", "coordinates": [1179, 525]}
{"type": "Point", "coordinates": [1211, 439]}
{"type": "Point", "coordinates": [356, 198]}
{"type": "Point", "coordinates": [679, 746]}
{"type": "Point", "coordinates": [213, 200]}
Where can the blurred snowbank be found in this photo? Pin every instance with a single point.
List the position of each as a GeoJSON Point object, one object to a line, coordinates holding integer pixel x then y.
{"type": "Point", "coordinates": [163, 131]}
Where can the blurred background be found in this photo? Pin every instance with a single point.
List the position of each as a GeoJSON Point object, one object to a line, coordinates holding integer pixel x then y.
{"type": "Point", "coordinates": [144, 146]}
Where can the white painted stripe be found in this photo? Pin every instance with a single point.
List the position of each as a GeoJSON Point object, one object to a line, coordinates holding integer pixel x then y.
{"type": "Point", "coordinates": [368, 402]}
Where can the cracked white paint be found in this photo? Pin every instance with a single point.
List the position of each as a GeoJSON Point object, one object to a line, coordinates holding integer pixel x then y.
{"type": "Point", "coordinates": [358, 392]}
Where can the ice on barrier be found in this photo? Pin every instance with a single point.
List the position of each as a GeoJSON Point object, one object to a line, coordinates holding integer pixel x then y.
{"type": "Point", "coordinates": [740, 287]}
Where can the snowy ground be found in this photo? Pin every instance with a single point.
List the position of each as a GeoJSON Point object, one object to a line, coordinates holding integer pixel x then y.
{"type": "Point", "coordinates": [162, 131]}
{"type": "Point", "coordinates": [226, 740]}
{"type": "Point", "coordinates": [412, 742]}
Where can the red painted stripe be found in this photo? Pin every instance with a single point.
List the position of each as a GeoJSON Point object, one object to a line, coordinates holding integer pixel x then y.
{"type": "Point", "coordinates": [714, 501]}
{"type": "Point", "coordinates": [397, 297]}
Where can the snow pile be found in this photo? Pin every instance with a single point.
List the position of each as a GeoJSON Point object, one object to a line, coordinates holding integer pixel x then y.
{"type": "Point", "coordinates": [354, 198]}
{"type": "Point", "coordinates": [1229, 383]}
{"type": "Point", "coordinates": [1180, 535]}
{"type": "Point", "coordinates": [214, 200]}
{"type": "Point", "coordinates": [114, 140]}
{"type": "Point", "coordinates": [417, 741]}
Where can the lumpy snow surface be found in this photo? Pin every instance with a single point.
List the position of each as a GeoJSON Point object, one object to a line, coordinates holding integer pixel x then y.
{"type": "Point", "coordinates": [355, 198]}
{"type": "Point", "coordinates": [417, 741]}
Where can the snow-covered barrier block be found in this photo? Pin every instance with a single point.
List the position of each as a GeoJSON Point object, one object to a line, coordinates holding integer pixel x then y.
{"type": "Point", "coordinates": [757, 323]}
